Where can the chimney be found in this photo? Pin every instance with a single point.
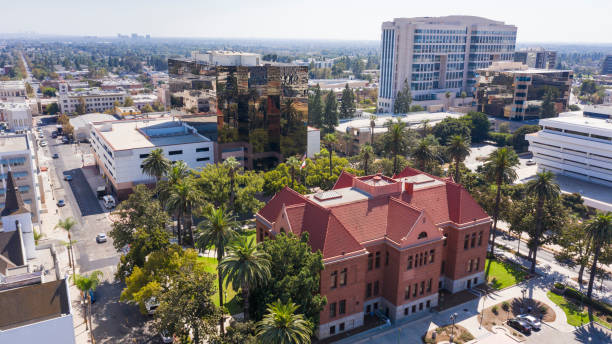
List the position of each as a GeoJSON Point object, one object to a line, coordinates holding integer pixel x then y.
{"type": "Point", "coordinates": [409, 187]}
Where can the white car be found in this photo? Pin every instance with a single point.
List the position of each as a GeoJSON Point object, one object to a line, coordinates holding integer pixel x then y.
{"type": "Point", "coordinates": [530, 162]}
{"type": "Point", "coordinates": [100, 238]}
{"type": "Point", "coordinates": [166, 337]}
{"type": "Point", "coordinates": [531, 320]}
{"type": "Point", "coordinates": [43, 144]}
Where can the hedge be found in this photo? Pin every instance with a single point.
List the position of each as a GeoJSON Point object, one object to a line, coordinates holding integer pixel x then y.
{"type": "Point", "coordinates": [577, 295]}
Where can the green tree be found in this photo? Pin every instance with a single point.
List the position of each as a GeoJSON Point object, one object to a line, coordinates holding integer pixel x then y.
{"type": "Point", "coordinates": [315, 108]}
{"type": "Point", "coordinates": [449, 127]}
{"type": "Point", "coordinates": [146, 109]}
{"type": "Point", "coordinates": [67, 225]}
{"type": "Point", "coordinates": [463, 95]}
{"type": "Point", "coordinates": [330, 116]}
{"type": "Point", "coordinates": [458, 149]}
{"type": "Point", "coordinates": [575, 247]}
{"type": "Point", "coordinates": [295, 275]}
{"type": "Point", "coordinates": [479, 125]}
{"type": "Point", "coordinates": [293, 163]}
{"type": "Point", "coordinates": [403, 99]}
{"type": "Point", "coordinates": [543, 189]}
{"type": "Point", "coordinates": [423, 155]}
{"type": "Point", "coordinates": [246, 267]}
{"type": "Point", "coordinates": [372, 126]}
{"type": "Point", "coordinates": [156, 164]}
{"type": "Point", "coordinates": [128, 102]}
{"type": "Point", "coordinates": [548, 106]}
{"type": "Point", "coordinates": [599, 230]}
{"type": "Point", "coordinates": [281, 176]}
{"type": "Point", "coordinates": [385, 165]}
{"type": "Point", "coordinates": [233, 166]}
{"type": "Point", "coordinates": [329, 140]}
{"type": "Point", "coordinates": [447, 95]}
{"type": "Point", "coordinates": [518, 137]}
{"type": "Point", "coordinates": [281, 325]}
{"type": "Point", "coordinates": [85, 283]}
{"type": "Point", "coordinates": [52, 109]}
{"type": "Point", "coordinates": [81, 107]}
{"type": "Point", "coordinates": [366, 156]}
{"type": "Point", "coordinates": [29, 89]}
{"type": "Point", "coordinates": [183, 197]}
{"type": "Point", "coordinates": [499, 169]}
{"type": "Point", "coordinates": [217, 230]}
{"type": "Point", "coordinates": [49, 91]}
{"type": "Point", "coordinates": [396, 141]}
{"type": "Point", "coordinates": [347, 103]}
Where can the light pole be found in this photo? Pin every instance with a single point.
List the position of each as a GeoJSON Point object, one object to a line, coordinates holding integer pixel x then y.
{"type": "Point", "coordinates": [483, 308]}
{"type": "Point", "coordinates": [452, 318]}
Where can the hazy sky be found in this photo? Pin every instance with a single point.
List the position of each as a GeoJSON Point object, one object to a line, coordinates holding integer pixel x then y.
{"type": "Point", "coordinates": [537, 20]}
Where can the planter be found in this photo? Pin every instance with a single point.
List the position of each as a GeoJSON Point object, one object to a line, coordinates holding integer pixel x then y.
{"type": "Point", "coordinates": [558, 288]}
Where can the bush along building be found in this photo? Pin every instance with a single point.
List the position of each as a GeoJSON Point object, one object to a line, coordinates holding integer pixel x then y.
{"type": "Point", "coordinates": [389, 244]}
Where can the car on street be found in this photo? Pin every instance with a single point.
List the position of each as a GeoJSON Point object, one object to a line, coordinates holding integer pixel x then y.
{"type": "Point", "coordinates": [55, 156]}
{"type": "Point", "coordinates": [531, 321]}
{"type": "Point", "coordinates": [41, 136]}
{"type": "Point", "coordinates": [43, 144]}
{"type": "Point", "coordinates": [54, 134]}
{"type": "Point", "coordinates": [166, 337]}
{"type": "Point", "coordinates": [61, 203]}
{"type": "Point", "coordinates": [68, 177]}
{"type": "Point", "coordinates": [100, 238]}
{"type": "Point", "coordinates": [520, 325]}
{"type": "Point", "coordinates": [530, 162]}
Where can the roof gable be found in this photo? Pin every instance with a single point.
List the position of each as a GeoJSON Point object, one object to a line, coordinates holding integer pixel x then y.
{"type": "Point", "coordinates": [286, 196]}
{"type": "Point", "coordinates": [345, 180]}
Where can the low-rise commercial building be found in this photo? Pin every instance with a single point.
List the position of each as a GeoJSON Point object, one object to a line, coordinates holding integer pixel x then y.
{"type": "Point", "coordinates": [83, 124]}
{"type": "Point", "coordinates": [123, 84]}
{"type": "Point", "coordinates": [388, 244]}
{"type": "Point", "coordinates": [96, 100]}
{"type": "Point", "coordinates": [513, 90]}
{"type": "Point", "coordinates": [142, 100]}
{"type": "Point", "coordinates": [12, 89]}
{"type": "Point", "coordinates": [227, 58]}
{"type": "Point", "coordinates": [537, 58]}
{"type": "Point", "coordinates": [18, 116]}
{"type": "Point", "coordinates": [574, 145]}
{"type": "Point", "coordinates": [121, 146]}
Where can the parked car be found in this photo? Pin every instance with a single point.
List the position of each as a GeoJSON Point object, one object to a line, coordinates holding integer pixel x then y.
{"type": "Point", "coordinates": [530, 162]}
{"type": "Point", "coordinates": [520, 325]}
{"type": "Point", "coordinates": [43, 144]}
{"type": "Point", "coordinates": [41, 136]}
{"type": "Point", "coordinates": [109, 201]}
{"type": "Point", "coordinates": [61, 203]}
{"type": "Point", "coordinates": [54, 134]}
{"type": "Point", "coordinates": [68, 177]}
{"type": "Point", "coordinates": [55, 156]}
{"type": "Point", "coordinates": [166, 337]}
{"type": "Point", "coordinates": [531, 321]}
{"type": "Point", "coordinates": [151, 305]}
{"type": "Point", "coordinates": [65, 140]}
{"type": "Point", "coordinates": [100, 238]}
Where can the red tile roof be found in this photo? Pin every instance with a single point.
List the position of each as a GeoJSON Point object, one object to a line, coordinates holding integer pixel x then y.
{"type": "Point", "coordinates": [345, 180]}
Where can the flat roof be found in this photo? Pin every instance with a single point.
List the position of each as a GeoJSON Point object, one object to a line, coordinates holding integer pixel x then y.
{"type": "Point", "coordinates": [578, 118]}
{"type": "Point", "coordinates": [146, 133]}
{"type": "Point", "coordinates": [414, 120]}
{"type": "Point", "coordinates": [344, 195]}
{"type": "Point", "coordinates": [13, 143]}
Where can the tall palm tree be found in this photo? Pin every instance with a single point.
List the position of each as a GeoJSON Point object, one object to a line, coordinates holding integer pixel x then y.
{"type": "Point", "coordinates": [396, 130]}
{"type": "Point", "coordinates": [543, 188]}
{"type": "Point", "coordinates": [499, 168]}
{"type": "Point", "coordinates": [348, 139]}
{"type": "Point", "coordinates": [177, 172]}
{"type": "Point", "coordinates": [233, 165]}
{"type": "Point", "coordinates": [282, 326]}
{"type": "Point", "coordinates": [86, 283]}
{"type": "Point", "coordinates": [293, 164]}
{"type": "Point", "coordinates": [423, 155]}
{"type": "Point", "coordinates": [367, 155]}
{"type": "Point", "coordinates": [67, 225]}
{"type": "Point", "coordinates": [425, 128]}
{"type": "Point", "coordinates": [463, 95]}
{"type": "Point", "coordinates": [156, 165]}
{"type": "Point", "coordinates": [181, 200]}
{"type": "Point", "coordinates": [245, 266]}
{"type": "Point", "coordinates": [599, 230]}
{"type": "Point", "coordinates": [218, 229]}
{"type": "Point", "coordinates": [330, 140]}
{"type": "Point", "coordinates": [447, 95]}
{"type": "Point", "coordinates": [458, 149]}
{"type": "Point", "coordinates": [372, 126]}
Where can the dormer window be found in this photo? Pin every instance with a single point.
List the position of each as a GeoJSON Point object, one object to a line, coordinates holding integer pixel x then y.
{"type": "Point", "coordinates": [422, 235]}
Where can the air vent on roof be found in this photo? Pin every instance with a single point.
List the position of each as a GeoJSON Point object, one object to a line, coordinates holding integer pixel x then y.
{"type": "Point", "coordinates": [327, 195]}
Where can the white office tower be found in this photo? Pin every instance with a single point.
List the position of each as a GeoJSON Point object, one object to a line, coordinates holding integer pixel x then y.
{"type": "Point", "coordinates": [438, 57]}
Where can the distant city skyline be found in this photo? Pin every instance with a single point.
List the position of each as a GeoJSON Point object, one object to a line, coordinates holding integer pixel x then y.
{"type": "Point", "coordinates": [560, 21]}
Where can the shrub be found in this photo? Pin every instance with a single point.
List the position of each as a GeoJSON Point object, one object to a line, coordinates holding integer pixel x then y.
{"type": "Point", "coordinates": [559, 285]}
{"type": "Point", "coordinates": [501, 139]}
{"type": "Point", "coordinates": [505, 306]}
{"type": "Point", "coordinates": [466, 336]}
{"type": "Point", "coordinates": [543, 309]}
{"type": "Point", "coordinates": [494, 310]}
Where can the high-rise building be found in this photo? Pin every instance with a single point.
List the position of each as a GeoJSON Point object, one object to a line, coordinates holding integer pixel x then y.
{"type": "Point", "coordinates": [607, 65]}
{"type": "Point", "coordinates": [537, 58]}
{"type": "Point", "coordinates": [439, 55]}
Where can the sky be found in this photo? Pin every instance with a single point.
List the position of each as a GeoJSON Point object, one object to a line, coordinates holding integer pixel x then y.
{"type": "Point", "coordinates": [582, 21]}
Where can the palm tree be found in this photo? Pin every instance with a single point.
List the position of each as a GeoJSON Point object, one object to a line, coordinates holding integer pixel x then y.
{"type": "Point", "coordinates": [348, 138]}
{"type": "Point", "coordinates": [447, 95]}
{"type": "Point", "coordinates": [181, 199]}
{"type": "Point", "coordinates": [397, 132]}
{"type": "Point", "coordinates": [218, 229]}
{"type": "Point", "coordinates": [423, 155]}
{"type": "Point", "coordinates": [367, 155]}
{"type": "Point", "coordinates": [156, 165]}
{"type": "Point", "coordinates": [233, 165]}
{"type": "Point", "coordinates": [282, 326]}
{"type": "Point", "coordinates": [463, 95]}
{"type": "Point", "coordinates": [372, 126]}
{"type": "Point", "coordinates": [458, 149]}
{"type": "Point", "coordinates": [330, 140]}
{"type": "Point", "coordinates": [425, 127]}
{"type": "Point", "coordinates": [543, 188]}
{"type": "Point", "coordinates": [599, 230]}
{"type": "Point", "coordinates": [293, 163]}
{"type": "Point", "coordinates": [86, 283]}
{"type": "Point", "coordinates": [499, 168]}
{"type": "Point", "coordinates": [67, 225]}
{"type": "Point", "coordinates": [178, 171]}
{"type": "Point", "coordinates": [246, 267]}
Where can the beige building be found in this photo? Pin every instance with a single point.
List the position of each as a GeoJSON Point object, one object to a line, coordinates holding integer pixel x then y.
{"type": "Point", "coordinates": [12, 89]}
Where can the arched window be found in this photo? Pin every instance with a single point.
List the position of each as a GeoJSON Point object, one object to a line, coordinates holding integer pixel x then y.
{"type": "Point", "coordinates": [422, 235]}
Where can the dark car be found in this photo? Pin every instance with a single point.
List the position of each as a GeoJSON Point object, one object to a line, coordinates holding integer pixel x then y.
{"type": "Point", "coordinates": [65, 140]}
{"type": "Point", "coordinates": [68, 177]}
{"type": "Point", "coordinates": [55, 156]}
{"type": "Point", "coordinates": [54, 134]}
{"type": "Point", "coordinates": [520, 325]}
{"type": "Point", "coordinates": [61, 203]}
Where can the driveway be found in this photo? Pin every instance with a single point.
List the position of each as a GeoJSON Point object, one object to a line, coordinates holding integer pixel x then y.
{"type": "Point", "coordinates": [588, 334]}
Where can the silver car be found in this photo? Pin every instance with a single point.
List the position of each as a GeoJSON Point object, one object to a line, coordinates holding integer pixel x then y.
{"type": "Point", "coordinates": [531, 320]}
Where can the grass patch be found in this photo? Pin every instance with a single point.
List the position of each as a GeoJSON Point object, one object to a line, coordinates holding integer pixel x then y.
{"type": "Point", "coordinates": [502, 274]}
{"type": "Point", "coordinates": [576, 316]}
{"type": "Point", "coordinates": [232, 304]}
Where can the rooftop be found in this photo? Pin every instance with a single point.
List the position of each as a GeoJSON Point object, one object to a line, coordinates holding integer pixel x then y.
{"type": "Point", "coordinates": [13, 143]}
{"type": "Point", "coordinates": [414, 120]}
{"type": "Point", "coordinates": [577, 118]}
{"type": "Point", "coordinates": [94, 92]}
{"type": "Point", "coordinates": [147, 133]}
{"type": "Point", "coordinates": [12, 84]}
{"type": "Point", "coordinates": [83, 120]}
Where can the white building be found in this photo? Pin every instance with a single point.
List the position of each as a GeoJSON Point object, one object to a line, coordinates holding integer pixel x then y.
{"type": "Point", "coordinates": [83, 124]}
{"type": "Point", "coordinates": [13, 88]}
{"type": "Point", "coordinates": [121, 146]}
{"type": "Point", "coordinates": [436, 55]}
{"type": "Point", "coordinates": [574, 145]}
{"type": "Point", "coordinates": [141, 100]}
{"type": "Point", "coordinates": [18, 116]}
{"type": "Point", "coordinates": [227, 58]}
{"type": "Point", "coordinates": [313, 142]}
{"type": "Point", "coordinates": [39, 313]}
{"type": "Point", "coordinates": [96, 100]}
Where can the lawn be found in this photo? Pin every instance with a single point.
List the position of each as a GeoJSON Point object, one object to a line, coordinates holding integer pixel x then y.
{"type": "Point", "coordinates": [231, 301]}
{"type": "Point", "coordinates": [575, 315]}
{"type": "Point", "coordinates": [501, 274]}
{"type": "Point", "coordinates": [250, 234]}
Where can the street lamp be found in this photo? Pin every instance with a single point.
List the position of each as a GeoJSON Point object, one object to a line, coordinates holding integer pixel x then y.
{"type": "Point", "coordinates": [452, 318]}
{"type": "Point", "coordinates": [483, 308]}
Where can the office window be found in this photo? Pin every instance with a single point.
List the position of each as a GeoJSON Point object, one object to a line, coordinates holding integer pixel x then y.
{"type": "Point", "coordinates": [413, 308]}
{"type": "Point", "coordinates": [334, 279]}
{"type": "Point", "coordinates": [386, 258]}
{"type": "Point", "coordinates": [370, 261]}
{"type": "Point", "coordinates": [202, 149]}
{"type": "Point", "coordinates": [341, 327]}
{"type": "Point", "coordinates": [431, 255]}
{"type": "Point", "coordinates": [469, 265]}
{"type": "Point", "coordinates": [466, 242]}
{"type": "Point", "coordinates": [409, 263]}
{"type": "Point", "coordinates": [369, 290]}
{"type": "Point", "coordinates": [421, 259]}
{"type": "Point", "coordinates": [143, 156]}
{"type": "Point", "coordinates": [421, 306]}
{"type": "Point", "coordinates": [425, 258]}
{"type": "Point", "coordinates": [377, 261]}
{"type": "Point", "coordinates": [332, 309]}
{"type": "Point", "coordinates": [203, 159]}
{"type": "Point", "coordinates": [375, 288]}
{"type": "Point", "coordinates": [343, 277]}
{"type": "Point", "coordinates": [342, 307]}
{"type": "Point", "coordinates": [415, 289]}
{"type": "Point", "coordinates": [407, 292]}
{"type": "Point", "coordinates": [477, 263]}
{"type": "Point", "coordinates": [480, 238]}
{"type": "Point", "coordinates": [429, 285]}
{"type": "Point", "coordinates": [406, 311]}
{"type": "Point", "coordinates": [442, 267]}
{"type": "Point", "coordinates": [422, 290]}
{"type": "Point", "coordinates": [176, 152]}
{"type": "Point", "coordinates": [428, 304]}
{"type": "Point", "coordinates": [332, 330]}
{"type": "Point", "coordinates": [473, 243]}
